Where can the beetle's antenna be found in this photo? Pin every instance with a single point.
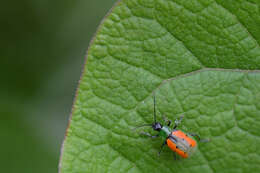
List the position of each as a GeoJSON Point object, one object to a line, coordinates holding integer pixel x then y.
{"type": "Point", "coordinates": [154, 110]}
{"type": "Point", "coordinates": [142, 126]}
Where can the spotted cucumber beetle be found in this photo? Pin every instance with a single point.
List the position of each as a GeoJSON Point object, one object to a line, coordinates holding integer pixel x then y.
{"type": "Point", "coordinates": [178, 141]}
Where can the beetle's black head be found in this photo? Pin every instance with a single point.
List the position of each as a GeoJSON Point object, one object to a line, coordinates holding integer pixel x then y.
{"type": "Point", "coordinates": [157, 126]}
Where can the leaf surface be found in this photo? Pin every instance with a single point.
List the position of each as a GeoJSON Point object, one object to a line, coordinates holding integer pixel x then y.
{"type": "Point", "coordinates": [200, 58]}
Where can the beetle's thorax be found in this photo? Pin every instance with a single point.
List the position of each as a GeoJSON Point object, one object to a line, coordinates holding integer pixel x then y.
{"type": "Point", "coordinates": [165, 131]}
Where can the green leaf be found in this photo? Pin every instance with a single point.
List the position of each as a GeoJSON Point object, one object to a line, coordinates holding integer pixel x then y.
{"type": "Point", "coordinates": [201, 58]}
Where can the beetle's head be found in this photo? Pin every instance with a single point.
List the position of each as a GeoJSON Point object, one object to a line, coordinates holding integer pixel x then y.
{"type": "Point", "coordinates": [157, 126]}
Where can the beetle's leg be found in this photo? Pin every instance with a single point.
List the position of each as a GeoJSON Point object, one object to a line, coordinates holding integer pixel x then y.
{"type": "Point", "coordinates": [177, 122]}
{"type": "Point", "coordinates": [195, 135]}
{"type": "Point", "coordinates": [198, 137]}
{"type": "Point", "coordinates": [167, 121]}
{"type": "Point", "coordinates": [204, 140]}
{"type": "Point", "coordinates": [175, 156]}
{"type": "Point", "coordinates": [164, 143]}
{"type": "Point", "coordinates": [149, 135]}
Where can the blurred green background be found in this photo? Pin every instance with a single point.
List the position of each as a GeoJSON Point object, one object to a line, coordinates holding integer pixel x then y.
{"type": "Point", "coordinates": [43, 46]}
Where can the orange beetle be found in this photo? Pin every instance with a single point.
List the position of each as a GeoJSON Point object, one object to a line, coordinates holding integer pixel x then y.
{"type": "Point", "coordinates": [177, 140]}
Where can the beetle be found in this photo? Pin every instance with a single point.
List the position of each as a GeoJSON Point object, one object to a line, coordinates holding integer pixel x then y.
{"type": "Point", "coordinates": [178, 141]}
